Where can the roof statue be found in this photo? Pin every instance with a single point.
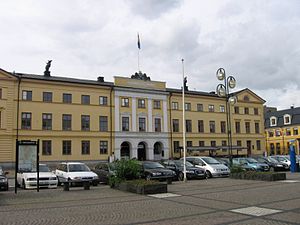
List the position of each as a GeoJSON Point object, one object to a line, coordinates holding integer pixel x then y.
{"type": "Point", "coordinates": [47, 71]}
{"type": "Point", "coordinates": [140, 76]}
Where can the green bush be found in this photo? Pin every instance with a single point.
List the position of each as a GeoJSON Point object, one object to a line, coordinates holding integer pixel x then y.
{"type": "Point", "coordinates": [236, 169]}
{"type": "Point", "coordinates": [125, 170]}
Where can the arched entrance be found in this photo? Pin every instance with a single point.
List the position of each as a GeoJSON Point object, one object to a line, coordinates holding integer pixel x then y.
{"type": "Point", "coordinates": [141, 154]}
{"type": "Point", "coordinates": [158, 151]}
{"type": "Point", "coordinates": [125, 150]}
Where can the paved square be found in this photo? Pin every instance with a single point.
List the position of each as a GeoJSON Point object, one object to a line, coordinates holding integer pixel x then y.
{"type": "Point", "coordinates": [164, 195]}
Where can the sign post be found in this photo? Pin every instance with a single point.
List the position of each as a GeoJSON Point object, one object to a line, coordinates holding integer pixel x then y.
{"type": "Point", "coordinates": [293, 167]}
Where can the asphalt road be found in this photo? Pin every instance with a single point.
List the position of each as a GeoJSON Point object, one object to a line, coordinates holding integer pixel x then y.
{"type": "Point", "coordinates": [212, 201]}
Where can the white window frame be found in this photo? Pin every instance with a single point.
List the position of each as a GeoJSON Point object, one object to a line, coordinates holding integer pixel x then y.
{"type": "Point", "coordinates": [271, 124]}
{"type": "Point", "coordinates": [286, 116]}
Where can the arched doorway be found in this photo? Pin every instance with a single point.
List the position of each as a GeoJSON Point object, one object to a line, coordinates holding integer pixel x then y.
{"type": "Point", "coordinates": [125, 150]}
{"type": "Point", "coordinates": [158, 151]}
{"type": "Point", "coordinates": [141, 154]}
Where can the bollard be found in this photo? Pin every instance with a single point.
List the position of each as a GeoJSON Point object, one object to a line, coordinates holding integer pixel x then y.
{"type": "Point", "coordinates": [66, 186]}
{"type": "Point", "coordinates": [86, 185]}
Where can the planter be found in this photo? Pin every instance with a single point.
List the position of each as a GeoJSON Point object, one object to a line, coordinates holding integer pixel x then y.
{"type": "Point", "coordinates": [264, 176]}
{"type": "Point", "coordinates": [143, 187]}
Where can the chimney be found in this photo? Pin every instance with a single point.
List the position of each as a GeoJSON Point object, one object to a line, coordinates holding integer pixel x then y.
{"type": "Point", "coordinates": [100, 79]}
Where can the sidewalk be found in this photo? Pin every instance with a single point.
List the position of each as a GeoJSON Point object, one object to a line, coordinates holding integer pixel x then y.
{"type": "Point", "coordinates": [212, 201]}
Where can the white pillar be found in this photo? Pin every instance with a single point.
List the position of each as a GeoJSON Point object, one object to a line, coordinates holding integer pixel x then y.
{"type": "Point", "coordinates": [133, 153]}
{"type": "Point", "coordinates": [165, 116]}
{"type": "Point", "coordinates": [133, 110]}
{"type": "Point", "coordinates": [117, 113]}
{"type": "Point", "coordinates": [150, 115]}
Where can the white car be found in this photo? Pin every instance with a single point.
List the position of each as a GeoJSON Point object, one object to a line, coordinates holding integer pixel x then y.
{"type": "Point", "coordinates": [75, 172]}
{"type": "Point", "coordinates": [212, 167]}
{"type": "Point", "coordinates": [28, 180]}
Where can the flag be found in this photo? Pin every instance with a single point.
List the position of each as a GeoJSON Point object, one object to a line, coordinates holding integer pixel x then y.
{"type": "Point", "coordinates": [138, 42]}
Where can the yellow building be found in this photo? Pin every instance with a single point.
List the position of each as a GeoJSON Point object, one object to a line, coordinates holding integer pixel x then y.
{"type": "Point", "coordinates": [133, 117]}
{"type": "Point", "coordinates": [282, 126]}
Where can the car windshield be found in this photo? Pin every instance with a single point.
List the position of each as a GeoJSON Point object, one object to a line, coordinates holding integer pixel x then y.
{"type": "Point", "coordinates": [272, 160]}
{"type": "Point", "coordinates": [78, 168]}
{"type": "Point", "coordinates": [44, 168]}
{"type": "Point", "coordinates": [210, 160]}
{"type": "Point", "coordinates": [180, 163]}
{"type": "Point", "coordinates": [262, 160]}
{"type": "Point", "coordinates": [250, 160]}
{"type": "Point", "coordinates": [152, 165]}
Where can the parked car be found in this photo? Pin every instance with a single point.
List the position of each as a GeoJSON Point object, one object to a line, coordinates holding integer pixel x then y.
{"type": "Point", "coordinates": [156, 171]}
{"type": "Point", "coordinates": [282, 159]}
{"type": "Point", "coordinates": [213, 168]}
{"type": "Point", "coordinates": [272, 163]}
{"type": "Point", "coordinates": [75, 173]}
{"type": "Point", "coordinates": [104, 171]}
{"type": "Point", "coordinates": [226, 162]}
{"type": "Point", "coordinates": [28, 179]}
{"type": "Point", "coordinates": [3, 180]}
{"type": "Point", "coordinates": [257, 166]}
{"type": "Point", "coordinates": [192, 172]}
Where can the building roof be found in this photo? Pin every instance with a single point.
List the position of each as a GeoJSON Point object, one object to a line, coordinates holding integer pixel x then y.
{"type": "Point", "coordinates": [293, 112]}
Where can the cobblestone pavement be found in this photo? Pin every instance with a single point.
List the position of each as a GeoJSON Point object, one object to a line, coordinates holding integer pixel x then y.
{"type": "Point", "coordinates": [196, 202]}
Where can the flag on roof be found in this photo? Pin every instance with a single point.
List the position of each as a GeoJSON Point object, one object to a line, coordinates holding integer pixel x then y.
{"type": "Point", "coordinates": [138, 42]}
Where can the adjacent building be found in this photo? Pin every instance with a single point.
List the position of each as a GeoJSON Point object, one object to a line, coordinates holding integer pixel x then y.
{"type": "Point", "coordinates": [282, 127]}
{"type": "Point", "coordinates": [132, 117]}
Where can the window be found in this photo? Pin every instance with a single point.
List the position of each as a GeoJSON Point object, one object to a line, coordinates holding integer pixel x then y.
{"type": "Point", "coordinates": [103, 147]}
{"type": "Point", "coordinates": [156, 104]}
{"type": "Point", "coordinates": [247, 127]}
{"type": "Point", "coordinates": [271, 133]}
{"type": "Point", "coordinates": [278, 148]}
{"type": "Point", "coordinates": [85, 99]}
{"type": "Point", "coordinates": [103, 123]}
{"type": "Point", "coordinates": [255, 111]}
{"type": "Point", "coordinates": [246, 98]}
{"type": "Point", "coordinates": [201, 143]}
{"type": "Point", "coordinates": [223, 127]}
{"type": "Point", "coordinates": [222, 108]}
{"type": "Point", "coordinates": [0, 93]}
{"type": "Point", "coordinates": [47, 121]}
{"type": "Point", "coordinates": [212, 127]}
{"type": "Point", "coordinates": [258, 147]}
{"type": "Point", "coordinates": [0, 120]}
{"type": "Point", "coordinates": [157, 124]}
{"type": "Point", "coordinates": [175, 105]}
{"type": "Point", "coordinates": [125, 102]}
{"type": "Point", "coordinates": [239, 143]}
{"type": "Point", "coordinates": [200, 126]}
{"type": "Point", "coordinates": [175, 125]}
{"type": "Point", "coordinates": [85, 147]}
{"type": "Point", "coordinates": [277, 133]}
{"type": "Point", "coordinates": [187, 106]}
{"type": "Point", "coordinates": [102, 100]}
{"type": "Point", "coordinates": [295, 131]}
{"type": "Point", "coordinates": [246, 110]}
{"type": "Point", "coordinates": [213, 143]}
{"type": "Point", "coordinates": [66, 148]}
{"type": "Point", "coordinates": [85, 122]}
{"type": "Point", "coordinates": [125, 123]}
{"type": "Point", "coordinates": [273, 121]}
{"type": "Point", "coordinates": [200, 107]}
{"type": "Point", "coordinates": [141, 103]}
{"type": "Point", "coordinates": [26, 121]}
{"type": "Point", "coordinates": [47, 96]}
{"type": "Point", "coordinates": [236, 110]}
{"type": "Point", "coordinates": [67, 122]}
{"type": "Point", "coordinates": [287, 119]}
{"type": "Point", "coordinates": [27, 95]}
{"type": "Point", "coordinates": [288, 132]}
{"type": "Point", "coordinates": [46, 147]}
{"type": "Point", "coordinates": [237, 127]}
{"type": "Point", "coordinates": [257, 128]}
{"type": "Point", "coordinates": [189, 144]}
{"type": "Point", "coordinates": [142, 124]}
{"type": "Point", "coordinates": [176, 146]}
{"type": "Point", "coordinates": [67, 98]}
{"type": "Point", "coordinates": [211, 108]}
{"type": "Point", "coordinates": [224, 143]}
{"type": "Point", "coordinates": [188, 125]}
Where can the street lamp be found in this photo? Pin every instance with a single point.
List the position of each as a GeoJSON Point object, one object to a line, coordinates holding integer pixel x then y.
{"type": "Point", "coordinates": [223, 91]}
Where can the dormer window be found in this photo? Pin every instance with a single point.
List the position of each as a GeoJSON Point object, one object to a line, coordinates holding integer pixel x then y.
{"type": "Point", "coordinates": [287, 119]}
{"type": "Point", "coordinates": [246, 98]}
{"type": "Point", "coordinates": [273, 121]}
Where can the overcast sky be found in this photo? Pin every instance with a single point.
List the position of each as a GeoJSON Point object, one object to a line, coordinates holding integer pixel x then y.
{"type": "Point", "coordinates": [258, 42]}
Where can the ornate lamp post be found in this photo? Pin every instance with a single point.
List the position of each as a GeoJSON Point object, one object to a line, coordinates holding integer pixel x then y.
{"type": "Point", "coordinates": [223, 91]}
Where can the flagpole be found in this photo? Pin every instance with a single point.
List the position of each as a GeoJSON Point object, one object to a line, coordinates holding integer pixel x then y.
{"type": "Point", "coordinates": [183, 124]}
{"type": "Point", "coordinates": [139, 48]}
{"type": "Point", "coordinates": [138, 59]}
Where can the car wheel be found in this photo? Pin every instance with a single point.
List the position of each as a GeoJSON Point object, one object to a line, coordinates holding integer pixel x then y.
{"type": "Point", "coordinates": [58, 182]}
{"type": "Point", "coordinates": [148, 177]}
{"type": "Point", "coordinates": [180, 176]}
{"type": "Point", "coordinates": [208, 174]}
{"type": "Point", "coordinates": [23, 184]}
{"type": "Point", "coordinates": [6, 189]}
{"type": "Point", "coordinates": [95, 183]}
{"type": "Point", "coordinates": [272, 169]}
